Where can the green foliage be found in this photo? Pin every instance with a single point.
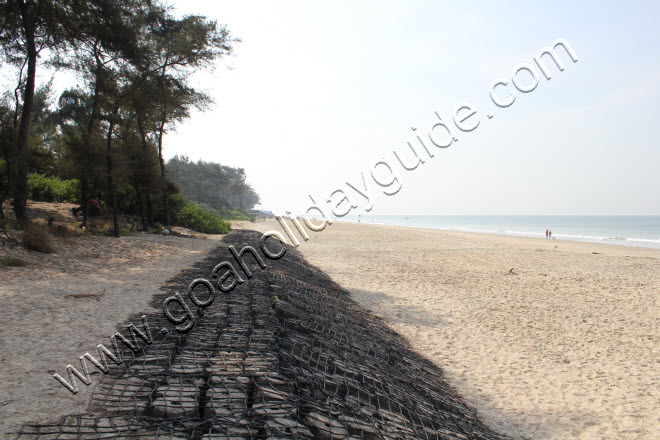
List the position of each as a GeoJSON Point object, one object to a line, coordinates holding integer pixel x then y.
{"type": "Point", "coordinates": [53, 189]}
{"type": "Point", "coordinates": [221, 187]}
{"type": "Point", "coordinates": [202, 219]}
{"type": "Point", "coordinates": [43, 130]}
{"type": "Point", "coordinates": [127, 198]}
{"type": "Point", "coordinates": [37, 238]}
{"type": "Point", "coordinates": [11, 261]}
{"type": "Point", "coordinates": [235, 214]}
{"type": "Point", "coordinates": [176, 203]}
{"type": "Point", "coordinates": [134, 60]}
{"type": "Point", "coordinates": [100, 229]}
{"type": "Point", "coordinates": [135, 57]}
{"type": "Point", "coordinates": [156, 228]}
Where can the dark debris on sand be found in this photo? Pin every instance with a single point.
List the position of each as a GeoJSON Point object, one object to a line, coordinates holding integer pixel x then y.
{"type": "Point", "coordinates": [286, 355]}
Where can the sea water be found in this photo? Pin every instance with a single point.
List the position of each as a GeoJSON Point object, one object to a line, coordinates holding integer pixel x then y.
{"type": "Point", "coordinates": [641, 231]}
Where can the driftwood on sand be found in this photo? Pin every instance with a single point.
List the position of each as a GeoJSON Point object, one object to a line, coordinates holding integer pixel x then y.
{"type": "Point", "coordinates": [86, 295]}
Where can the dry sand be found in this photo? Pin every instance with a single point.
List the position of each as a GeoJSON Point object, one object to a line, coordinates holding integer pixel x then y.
{"type": "Point", "coordinates": [565, 347]}
{"type": "Point", "coordinates": [45, 329]}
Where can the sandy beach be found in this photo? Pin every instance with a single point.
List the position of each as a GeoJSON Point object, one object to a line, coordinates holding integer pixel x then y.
{"type": "Point", "coordinates": [564, 346]}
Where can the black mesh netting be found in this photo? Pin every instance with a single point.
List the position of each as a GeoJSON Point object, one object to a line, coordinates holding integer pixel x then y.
{"type": "Point", "coordinates": [286, 355]}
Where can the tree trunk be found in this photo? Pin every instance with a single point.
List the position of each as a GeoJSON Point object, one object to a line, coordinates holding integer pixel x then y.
{"type": "Point", "coordinates": [143, 216]}
{"type": "Point", "coordinates": [150, 209]}
{"type": "Point", "coordinates": [8, 188]}
{"type": "Point", "coordinates": [147, 196]}
{"type": "Point", "coordinates": [21, 172]}
{"type": "Point", "coordinates": [90, 131]}
{"type": "Point", "coordinates": [83, 201]}
{"type": "Point", "coordinates": [160, 147]}
{"type": "Point", "coordinates": [111, 186]}
{"type": "Point", "coordinates": [164, 187]}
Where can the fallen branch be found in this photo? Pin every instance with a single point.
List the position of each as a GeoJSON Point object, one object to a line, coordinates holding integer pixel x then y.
{"type": "Point", "coordinates": [86, 295]}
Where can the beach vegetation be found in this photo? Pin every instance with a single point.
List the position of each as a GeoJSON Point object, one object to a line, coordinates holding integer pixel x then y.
{"type": "Point", "coordinates": [37, 238]}
{"type": "Point", "coordinates": [202, 219]}
{"type": "Point", "coordinates": [236, 214]}
{"type": "Point", "coordinates": [104, 136]}
{"type": "Point", "coordinates": [221, 187]}
{"type": "Point", "coordinates": [52, 188]}
{"type": "Point", "coordinates": [9, 260]}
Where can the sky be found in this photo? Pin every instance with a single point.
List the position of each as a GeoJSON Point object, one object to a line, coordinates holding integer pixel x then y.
{"type": "Point", "coordinates": [317, 93]}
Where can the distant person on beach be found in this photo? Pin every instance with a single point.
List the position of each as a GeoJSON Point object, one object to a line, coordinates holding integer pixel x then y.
{"type": "Point", "coordinates": [549, 234]}
{"type": "Point", "coordinates": [94, 210]}
{"type": "Point", "coordinates": [546, 233]}
{"type": "Point", "coordinates": [95, 207]}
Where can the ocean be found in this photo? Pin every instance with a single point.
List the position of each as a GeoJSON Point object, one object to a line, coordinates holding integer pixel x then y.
{"type": "Point", "coordinates": [642, 231]}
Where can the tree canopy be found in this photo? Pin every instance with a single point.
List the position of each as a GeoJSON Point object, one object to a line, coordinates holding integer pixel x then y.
{"type": "Point", "coordinates": [220, 187]}
{"type": "Point", "coordinates": [134, 60]}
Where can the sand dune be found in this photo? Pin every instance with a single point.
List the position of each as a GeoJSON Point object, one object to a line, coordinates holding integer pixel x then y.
{"type": "Point", "coordinates": [566, 346]}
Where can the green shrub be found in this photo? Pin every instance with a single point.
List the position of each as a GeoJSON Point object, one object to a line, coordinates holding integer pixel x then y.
{"type": "Point", "coordinates": [106, 230]}
{"type": "Point", "coordinates": [201, 218]}
{"type": "Point", "coordinates": [127, 200]}
{"type": "Point", "coordinates": [235, 214]}
{"type": "Point", "coordinates": [156, 228]}
{"type": "Point", "coordinates": [37, 238]}
{"type": "Point", "coordinates": [176, 202]}
{"type": "Point", "coordinates": [52, 188]}
{"type": "Point", "coordinates": [11, 261]}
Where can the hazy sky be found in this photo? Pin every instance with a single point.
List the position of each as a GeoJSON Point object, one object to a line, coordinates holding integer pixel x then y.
{"type": "Point", "coordinates": [320, 92]}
